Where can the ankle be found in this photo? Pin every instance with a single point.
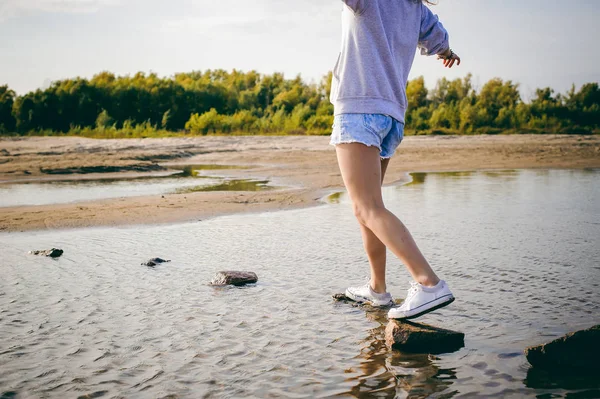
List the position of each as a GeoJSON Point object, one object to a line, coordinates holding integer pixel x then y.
{"type": "Point", "coordinates": [429, 282]}
{"type": "Point", "coordinates": [378, 288]}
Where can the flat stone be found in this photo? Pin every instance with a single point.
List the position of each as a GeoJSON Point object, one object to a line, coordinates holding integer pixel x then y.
{"type": "Point", "coordinates": [414, 337]}
{"type": "Point", "coordinates": [234, 278]}
{"type": "Point", "coordinates": [154, 261]}
{"type": "Point", "coordinates": [52, 253]}
{"type": "Point", "coordinates": [422, 338]}
{"type": "Point", "coordinates": [579, 349]}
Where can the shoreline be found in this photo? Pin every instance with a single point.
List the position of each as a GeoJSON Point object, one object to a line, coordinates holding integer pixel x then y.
{"type": "Point", "coordinates": [305, 165]}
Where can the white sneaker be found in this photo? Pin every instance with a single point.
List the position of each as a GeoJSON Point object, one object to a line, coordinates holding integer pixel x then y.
{"type": "Point", "coordinates": [365, 294]}
{"type": "Point", "coordinates": [421, 300]}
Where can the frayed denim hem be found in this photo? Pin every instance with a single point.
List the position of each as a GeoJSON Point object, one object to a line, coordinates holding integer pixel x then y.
{"type": "Point", "coordinates": [354, 141]}
{"type": "Point", "coordinates": [360, 142]}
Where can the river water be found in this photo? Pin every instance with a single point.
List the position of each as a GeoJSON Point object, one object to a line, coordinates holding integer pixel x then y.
{"type": "Point", "coordinates": [520, 249]}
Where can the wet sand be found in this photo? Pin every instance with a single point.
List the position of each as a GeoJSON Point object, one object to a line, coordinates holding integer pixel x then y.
{"type": "Point", "coordinates": [305, 166]}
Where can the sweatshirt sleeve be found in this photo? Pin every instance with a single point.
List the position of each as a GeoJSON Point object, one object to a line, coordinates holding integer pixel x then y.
{"type": "Point", "coordinates": [357, 6]}
{"type": "Point", "coordinates": [433, 38]}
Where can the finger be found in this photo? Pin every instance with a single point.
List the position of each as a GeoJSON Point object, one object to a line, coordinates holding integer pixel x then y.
{"type": "Point", "coordinates": [458, 61]}
{"type": "Point", "coordinates": [452, 63]}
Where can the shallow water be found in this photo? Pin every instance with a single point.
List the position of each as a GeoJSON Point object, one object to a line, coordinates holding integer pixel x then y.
{"type": "Point", "coordinates": [520, 250]}
{"type": "Point", "coordinates": [190, 179]}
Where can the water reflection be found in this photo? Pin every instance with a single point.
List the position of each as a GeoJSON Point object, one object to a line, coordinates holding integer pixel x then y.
{"type": "Point", "coordinates": [386, 373]}
{"type": "Point", "coordinates": [373, 379]}
{"type": "Point", "coordinates": [334, 198]}
{"type": "Point", "coordinates": [419, 177]}
{"type": "Point", "coordinates": [230, 185]}
{"type": "Point", "coordinates": [562, 379]}
{"type": "Point", "coordinates": [188, 179]}
{"type": "Point", "coordinates": [195, 170]}
{"type": "Point", "coordinates": [418, 376]}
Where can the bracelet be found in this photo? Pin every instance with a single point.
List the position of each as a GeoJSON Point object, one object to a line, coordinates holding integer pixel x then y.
{"type": "Point", "coordinates": [452, 54]}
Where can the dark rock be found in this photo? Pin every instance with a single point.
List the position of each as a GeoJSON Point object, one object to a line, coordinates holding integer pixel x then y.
{"type": "Point", "coordinates": [234, 278]}
{"type": "Point", "coordinates": [341, 298]}
{"type": "Point", "coordinates": [411, 337]}
{"type": "Point", "coordinates": [52, 253]}
{"type": "Point", "coordinates": [575, 350]}
{"type": "Point", "coordinates": [421, 338]}
{"type": "Point", "coordinates": [350, 301]}
{"type": "Point", "coordinates": [154, 261]}
{"type": "Point", "coordinates": [4, 152]}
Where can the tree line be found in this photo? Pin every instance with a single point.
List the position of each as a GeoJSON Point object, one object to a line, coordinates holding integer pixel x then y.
{"type": "Point", "coordinates": [218, 101]}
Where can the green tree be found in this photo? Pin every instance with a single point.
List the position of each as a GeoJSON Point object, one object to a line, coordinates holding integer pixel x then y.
{"type": "Point", "coordinates": [584, 105]}
{"type": "Point", "coordinates": [496, 95]}
{"type": "Point", "coordinates": [236, 101]}
{"type": "Point", "coordinates": [416, 93]}
{"type": "Point", "coordinates": [103, 121]}
{"type": "Point", "coordinates": [202, 124]}
{"type": "Point", "coordinates": [165, 119]}
{"type": "Point", "coordinates": [7, 100]}
{"type": "Point", "coordinates": [243, 121]}
{"type": "Point", "coordinates": [445, 116]}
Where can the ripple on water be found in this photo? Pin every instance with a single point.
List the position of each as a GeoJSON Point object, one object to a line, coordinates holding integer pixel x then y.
{"type": "Point", "coordinates": [95, 323]}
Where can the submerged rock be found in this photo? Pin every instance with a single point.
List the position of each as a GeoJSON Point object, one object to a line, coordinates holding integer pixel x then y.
{"type": "Point", "coordinates": [154, 261]}
{"type": "Point", "coordinates": [350, 301]}
{"type": "Point", "coordinates": [234, 278]}
{"type": "Point", "coordinates": [341, 297]}
{"type": "Point", "coordinates": [422, 338]}
{"type": "Point", "coordinates": [52, 253]}
{"type": "Point", "coordinates": [575, 350]}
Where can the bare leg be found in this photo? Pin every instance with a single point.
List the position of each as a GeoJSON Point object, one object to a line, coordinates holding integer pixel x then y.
{"type": "Point", "coordinates": [361, 171]}
{"type": "Point", "coordinates": [375, 249]}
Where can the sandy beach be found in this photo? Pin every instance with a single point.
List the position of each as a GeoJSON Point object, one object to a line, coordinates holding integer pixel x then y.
{"type": "Point", "coordinates": [304, 166]}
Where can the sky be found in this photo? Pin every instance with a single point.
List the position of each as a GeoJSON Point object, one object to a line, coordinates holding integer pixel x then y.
{"type": "Point", "coordinates": [551, 43]}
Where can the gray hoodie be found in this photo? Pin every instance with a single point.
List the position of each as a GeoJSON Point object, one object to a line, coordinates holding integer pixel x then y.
{"type": "Point", "coordinates": [379, 42]}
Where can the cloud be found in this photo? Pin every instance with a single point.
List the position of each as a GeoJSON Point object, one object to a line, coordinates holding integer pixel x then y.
{"type": "Point", "coordinates": [211, 23]}
{"type": "Point", "coordinates": [256, 17]}
{"type": "Point", "coordinates": [14, 8]}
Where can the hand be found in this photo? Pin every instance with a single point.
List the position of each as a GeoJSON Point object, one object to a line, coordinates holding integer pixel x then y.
{"type": "Point", "coordinates": [450, 57]}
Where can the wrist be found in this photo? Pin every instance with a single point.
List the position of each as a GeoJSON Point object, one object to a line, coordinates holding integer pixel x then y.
{"type": "Point", "coordinates": [447, 54]}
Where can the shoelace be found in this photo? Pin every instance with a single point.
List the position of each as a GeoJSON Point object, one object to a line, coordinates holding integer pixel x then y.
{"type": "Point", "coordinates": [414, 288]}
{"type": "Point", "coordinates": [367, 283]}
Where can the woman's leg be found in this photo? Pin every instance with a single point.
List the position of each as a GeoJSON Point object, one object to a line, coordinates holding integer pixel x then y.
{"type": "Point", "coordinates": [361, 171]}
{"type": "Point", "coordinates": [375, 249]}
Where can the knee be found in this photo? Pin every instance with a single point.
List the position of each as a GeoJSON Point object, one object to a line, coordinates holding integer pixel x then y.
{"type": "Point", "coordinates": [366, 213]}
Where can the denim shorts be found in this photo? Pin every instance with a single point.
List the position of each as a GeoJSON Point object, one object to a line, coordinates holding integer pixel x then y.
{"type": "Point", "coordinates": [373, 130]}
